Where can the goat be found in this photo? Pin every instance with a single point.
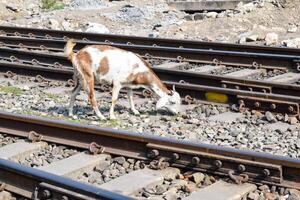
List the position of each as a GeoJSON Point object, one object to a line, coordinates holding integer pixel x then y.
{"type": "Point", "coordinates": [123, 69]}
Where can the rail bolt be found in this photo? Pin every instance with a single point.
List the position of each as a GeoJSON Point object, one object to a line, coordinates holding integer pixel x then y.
{"type": "Point", "coordinates": [195, 160]}
{"type": "Point", "coordinates": [218, 164]}
{"type": "Point", "coordinates": [237, 87]}
{"type": "Point", "coordinates": [266, 172]}
{"type": "Point", "coordinates": [257, 104]}
{"type": "Point", "coordinates": [224, 85]}
{"type": "Point", "coordinates": [175, 156]}
{"type": "Point", "coordinates": [298, 66]}
{"type": "Point", "coordinates": [241, 168]}
{"type": "Point", "coordinates": [46, 194]}
{"type": "Point", "coordinates": [153, 153]}
{"type": "Point", "coordinates": [291, 108]}
{"type": "Point", "coordinates": [273, 106]}
{"type": "Point", "coordinates": [64, 198]}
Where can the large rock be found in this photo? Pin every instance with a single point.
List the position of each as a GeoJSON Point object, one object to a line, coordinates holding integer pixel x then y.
{"type": "Point", "coordinates": [244, 8]}
{"type": "Point", "coordinates": [66, 26]}
{"type": "Point", "coordinates": [271, 39]}
{"type": "Point", "coordinates": [292, 29]}
{"type": "Point", "coordinates": [199, 16]}
{"type": "Point", "coordinates": [211, 14]}
{"type": "Point", "coordinates": [96, 28]}
{"type": "Point", "coordinates": [270, 117]}
{"type": "Point", "coordinates": [251, 38]}
{"type": "Point", "coordinates": [292, 43]}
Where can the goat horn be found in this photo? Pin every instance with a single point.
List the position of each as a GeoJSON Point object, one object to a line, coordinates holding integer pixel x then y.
{"type": "Point", "coordinates": [174, 88]}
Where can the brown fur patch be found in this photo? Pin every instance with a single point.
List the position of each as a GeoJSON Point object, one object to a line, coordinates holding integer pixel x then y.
{"type": "Point", "coordinates": [154, 77]}
{"type": "Point", "coordinates": [103, 66]}
{"type": "Point", "coordinates": [84, 61]}
{"type": "Point", "coordinates": [83, 66]}
{"type": "Point", "coordinates": [142, 78]}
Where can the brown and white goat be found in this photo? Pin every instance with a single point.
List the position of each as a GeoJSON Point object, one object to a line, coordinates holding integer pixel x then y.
{"type": "Point", "coordinates": [103, 63]}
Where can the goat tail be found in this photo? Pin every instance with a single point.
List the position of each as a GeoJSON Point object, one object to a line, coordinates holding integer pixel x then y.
{"type": "Point", "coordinates": [68, 50]}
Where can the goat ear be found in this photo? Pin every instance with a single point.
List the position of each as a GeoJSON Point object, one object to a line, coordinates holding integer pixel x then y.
{"type": "Point", "coordinates": [174, 88]}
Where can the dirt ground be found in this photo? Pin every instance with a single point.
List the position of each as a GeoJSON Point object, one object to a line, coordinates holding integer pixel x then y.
{"type": "Point", "coordinates": [157, 19]}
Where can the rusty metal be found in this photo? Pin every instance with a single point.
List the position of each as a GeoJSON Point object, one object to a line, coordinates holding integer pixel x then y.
{"type": "Point", "coordinates": [263, 104]}
{"type": "Point", "coordinates": [13, 59]}
{"type": "Point", "coordinates": [153, 153]}
{"type": "Point", "coordinates": [245, 86]}
{"type": "Point", "coordinates": [233, 58]}
{"type": "Point", "coordinates": [35, 62]}
{"type": "Point", "coordinates": [70, 83]}
{"type": "Point", "coordinates": [32, 183]}
{"type": "Point", "coordinates": [40, 79]}
{"type": "Point", "coordinates": [57, 65]}
{"type": "Point", "coordinates": [46, 33]}
{"type": "Point", "coordinates": [34, 136]}
{"type": "Point", "coordinates": [175, 156]}
{"type": "Point", "coordinates": [147, 93]}
{"type": "Point", "coordinates": [95, 148]}
{"type": "Point", "coordinates": [196, 160]}
{"type": "Point", "coordinates": [204, 83]}
{"type": "Point", "coordinates": [159, 164]}
{"type": "Point", "coordinates": [260, 167]}
{"type": "Point", "coordinates": [232, 86]}
{"type": "Point", "coordinates": [9, 74]}
{"type": "Point", "coordinates": [241, 168]}
{"type": "Point", "coordinates": [189, 100]}
{"type": "Point", "coordinates": [172, 75]}
{"type": "Point", "coordinates": [104, 87]}
{"type": "Point", "coordinates": [238, 179]}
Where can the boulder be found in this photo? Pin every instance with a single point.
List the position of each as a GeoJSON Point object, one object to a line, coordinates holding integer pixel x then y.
{"type": "Point", "coordinates": [271, 39]}
{"type": "Point", "coordinates": [96, 28]}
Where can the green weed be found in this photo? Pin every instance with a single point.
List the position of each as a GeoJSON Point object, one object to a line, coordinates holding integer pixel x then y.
{"type": "Point", "coordinates": [12, 90]}
{"type": "Point", "coordinates": [52, 4]}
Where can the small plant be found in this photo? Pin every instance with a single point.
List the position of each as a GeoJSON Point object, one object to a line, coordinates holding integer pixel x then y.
{"type": "Point", "coordinates": [12, 90]}
{"type": "Point", "coordinates": [52, 4]}
{"type": "Point", "coordinates": [111, 123]}
{"type": "Point", "coordinates": [52, 96]}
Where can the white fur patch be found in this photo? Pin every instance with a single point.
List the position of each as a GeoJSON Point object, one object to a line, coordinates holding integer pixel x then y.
{"type": "Point", "coordinates": [121, 64]}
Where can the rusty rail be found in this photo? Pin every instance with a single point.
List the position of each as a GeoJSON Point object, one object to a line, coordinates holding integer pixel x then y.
{"type": "Point", "coordinates": [36, 184]}
{"type": "Point", "coordinates": [259, 167]}
{"type": "Point", "coordinates": [248, 93]}
{"type": "Point", "coordinates": [233, 58]}
{"type": "Point", "coordinates": [124, 39]}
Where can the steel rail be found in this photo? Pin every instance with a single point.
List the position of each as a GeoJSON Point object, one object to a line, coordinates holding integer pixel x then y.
{"type": "Point", "coordinates": [57, 34]}
{"type": "Point", "coordinates": [285, 97]}
{"type": "Point", "coordinates": [260, 167]}
{"type": "Point", "coordinates": [36, 184]}
{"type": "Point", "coordinates": [177, 75]}
{"type": "Point", "coordinates": [234, 58]}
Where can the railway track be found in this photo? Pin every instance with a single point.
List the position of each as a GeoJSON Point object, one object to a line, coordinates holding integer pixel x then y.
{"type": "Point", "coordinates": [159, 153]}
{"type": "Point", "coordinates": [42, 185]}
{"type": "Point", "coordinates": [237, 73]}
{"type": "Point", "coordinates": [123, 39]}
{"type": "Point", "coordinates": [277, 93]}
